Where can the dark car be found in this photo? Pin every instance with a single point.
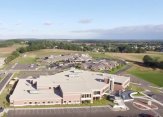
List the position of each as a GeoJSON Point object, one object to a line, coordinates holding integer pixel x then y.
{"type": "Point", "coordinates": [151, 95]}
{"type": "Point", "coordinates": [1, 109]}
{"type": "Point", "coordinates": [145, 115]}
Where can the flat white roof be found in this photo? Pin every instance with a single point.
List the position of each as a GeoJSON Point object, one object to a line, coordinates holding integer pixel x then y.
{"type": "Point", "coordinates": [21, 92]}
{"type": "Point", "coordinates": [71, 81]}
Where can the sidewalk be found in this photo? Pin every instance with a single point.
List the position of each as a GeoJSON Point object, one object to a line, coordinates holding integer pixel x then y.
{"type": "Point", "coordinates": [58, 107]}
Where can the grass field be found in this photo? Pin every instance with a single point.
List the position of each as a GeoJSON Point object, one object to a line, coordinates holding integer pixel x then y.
{"type": "Point", "coordinates": [135, 88]}
{"type": "Point", "coordinates": [46, 52]}
{"type": "Point", "coordinates": [135, 56]}
{"type": "Point", "coordinates": [115, 70]}
{"type": "Point", "coordinates": [25, 60]}
{"type": "Point", "coordinates": [151, 75]}
{"type": "Point", "coordinates": [96, 55]}
{"type": "Point", "coordinates": [5, 51]}
{"type": "Point", "coordinates": [3, 95]}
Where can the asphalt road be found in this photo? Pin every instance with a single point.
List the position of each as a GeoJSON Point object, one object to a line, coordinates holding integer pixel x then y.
{"type": "Point", "coordinates": [75, 112]}
{"type": "Point", "coordinates": [4, 81]}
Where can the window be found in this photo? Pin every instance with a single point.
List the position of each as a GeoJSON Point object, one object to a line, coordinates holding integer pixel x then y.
{"type": "Point", "coordinates": [30, 102]}
{"type": "Point", "coordinates": [43, 102]}
{"type": "Point", "coordinates": [48, 101]}
{"type": "Point", "coordinates": [88, 95]}
{"type": "Point", "coordinates": [82, 95]}
{"type": "Point", "coordinates": [69, 101]}
{"type": "Point", "coordinates": [96, 92]}
{"type": "Point", "coordinates": [25, 102]}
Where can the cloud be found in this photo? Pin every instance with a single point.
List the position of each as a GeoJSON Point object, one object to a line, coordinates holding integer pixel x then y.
{"type": "Point", "coordinates": [144, 32]}
{"type": "Point", "coordinates": [85, 21]}
{"type": "Point", "coordinates": [47, 23]}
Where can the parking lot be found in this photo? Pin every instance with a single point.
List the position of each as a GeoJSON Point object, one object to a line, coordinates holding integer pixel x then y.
{"type": "Point", "coordinates": [74, 112]}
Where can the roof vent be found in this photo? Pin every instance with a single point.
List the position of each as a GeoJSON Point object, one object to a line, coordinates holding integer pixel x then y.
{"type": "Point", "coordinates": [73, 75]}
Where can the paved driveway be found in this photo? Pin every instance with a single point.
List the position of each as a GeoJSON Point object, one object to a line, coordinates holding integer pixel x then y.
{"type": "Point", "coordinates": [4, 81]}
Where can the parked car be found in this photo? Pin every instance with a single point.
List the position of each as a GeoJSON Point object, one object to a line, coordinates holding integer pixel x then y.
{"type": "Point", "coordinates": [145, 115]}
{"type": "Point", "coordinates": [1, 109]}
{"type": "Point", "coordinates": [111, 97]}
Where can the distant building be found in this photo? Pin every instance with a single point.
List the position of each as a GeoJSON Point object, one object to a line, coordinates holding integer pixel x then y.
{"type": "Point", "coordinates": [99, 65]}
{"type": "Point", "coordinates": [68, 87]}
{"type": "Point", "coordinates": [73, 58]}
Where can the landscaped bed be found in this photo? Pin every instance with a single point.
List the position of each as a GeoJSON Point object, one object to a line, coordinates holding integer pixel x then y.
{"type": "Point", "coordinates": [144, 106]}
{"type": "Point", "coordinates": [135, 88]}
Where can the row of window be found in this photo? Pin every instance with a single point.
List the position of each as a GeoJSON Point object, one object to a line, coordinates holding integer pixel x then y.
{"type": "Point", "coordinates": [96, 92]}
{"type": "Point", "coordinates": [86, 96]}
{"type": "Point", "coordinates": [49, 102]}
{"type": "Point", "coordinates": [69, 102]}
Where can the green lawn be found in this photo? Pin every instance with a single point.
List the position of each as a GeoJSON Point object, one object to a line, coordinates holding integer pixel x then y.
{"type": "Point", "coordinates": [135, 88]}
{"type": "Point", "coordinates": [138, 94]}
{"type": "Point", "coordinates": [3, 95]}
{"type": "Point", "coordinates": [155, 77]}
{"type": "Point", "coordinates": [115, 70]}
{"type": "Point", "coordinates": [98, 55]}
{"type": "Point", "coordinates": [4, 115]}
{"type": "Point", "coordinates": [1, 79]}
{"type": "Point", "coordinates": [25, 60]}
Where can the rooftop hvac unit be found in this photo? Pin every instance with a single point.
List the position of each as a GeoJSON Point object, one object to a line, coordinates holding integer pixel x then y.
{"type": "Point", "coordinates": [33, 91]}
{"type": "Point", "coordinates": [73, 75]}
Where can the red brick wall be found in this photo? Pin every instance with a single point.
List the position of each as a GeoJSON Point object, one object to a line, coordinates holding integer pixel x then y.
{"type": "Point", "coordinates": [117, 87]}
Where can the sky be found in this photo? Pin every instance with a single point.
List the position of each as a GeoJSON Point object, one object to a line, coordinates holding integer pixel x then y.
{"type": "Point", "coordinates": [81, 19]}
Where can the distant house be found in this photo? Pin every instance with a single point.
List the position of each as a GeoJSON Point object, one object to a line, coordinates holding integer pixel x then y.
{"type": "Point", "coordinates": [71, 58]}
{"type": "Point", "coordinates": [104, 65]}
{"type": "Point", "coordinates": [97, 67]}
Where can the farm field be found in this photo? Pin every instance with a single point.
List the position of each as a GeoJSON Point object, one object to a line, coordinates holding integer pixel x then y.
{"type": "Point", "coordinates": [46, 52]}
{"type": "Point", "coordinates": [5, 51]}
{"type": "Point", "coordinates": [137, 57]}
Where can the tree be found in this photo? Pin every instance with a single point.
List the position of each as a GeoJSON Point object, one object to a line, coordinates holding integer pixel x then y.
{"type": "Point", "coordinates": [152, 62]}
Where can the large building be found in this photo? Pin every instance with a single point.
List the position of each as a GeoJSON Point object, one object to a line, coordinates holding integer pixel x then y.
{"type": "Point", "coordinates": [68, 87]}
